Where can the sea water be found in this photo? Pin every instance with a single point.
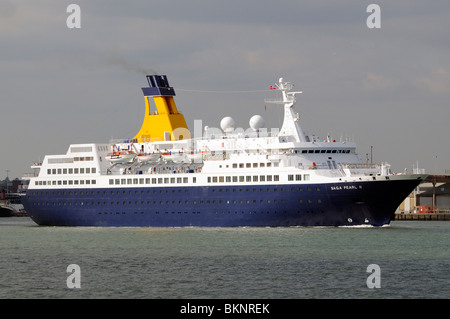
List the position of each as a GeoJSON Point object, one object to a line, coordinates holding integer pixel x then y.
{"type": "Point", "coordinates": [283, 263]}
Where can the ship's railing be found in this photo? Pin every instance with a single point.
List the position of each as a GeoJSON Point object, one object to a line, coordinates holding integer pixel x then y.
{"type": "Point", "coordinates": [36, 164]}
{"type": "Point", "coordinates": [325, 170]}
{"type": "Point", "coordinates": [276, 101]}
{"type": "Point", "coordinates": [28, 175]}
{"type": "Point", "coordinates": [367, 168]}
{"type": "Point", "coordinates": [132, 140]}
{"type": "Point", "coordinates": [216, 156]}
{"type": "Point", "coordinates": [263, 132]}
{"type": "Point", "coordinates": [207, 137]}
{"type": "Point", "coordinates": [360, 165]}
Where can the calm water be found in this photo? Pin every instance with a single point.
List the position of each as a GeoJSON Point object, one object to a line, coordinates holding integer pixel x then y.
{"type": "Point", "coordinates": [414, 259]}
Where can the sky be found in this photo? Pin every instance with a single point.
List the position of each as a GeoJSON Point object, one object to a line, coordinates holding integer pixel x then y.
{"type": "Point", "coordinates": [388, 88]}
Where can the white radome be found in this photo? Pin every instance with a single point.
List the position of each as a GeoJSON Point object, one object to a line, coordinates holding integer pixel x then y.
{"type": "Point", "coordinates": [256, 122]}
{"type": "Point", "coordinates": [227, 124]}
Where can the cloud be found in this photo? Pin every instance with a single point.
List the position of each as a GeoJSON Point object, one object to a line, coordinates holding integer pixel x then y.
{"type": "Point", "coordinates": [8, 17]}
{"type": "Point", "coordinates": [254, 57]}
{"type": "Point", "coordinates": [7, 9]}
{"type": "Point", "coordinates": [49, 71]}
{"type": "Point", "coordinates": [437, 82]}
{"type": "Point", "coordinates": [377, 82]}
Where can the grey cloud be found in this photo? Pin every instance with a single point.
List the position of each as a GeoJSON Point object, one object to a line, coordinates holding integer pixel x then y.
{"type": "Point", "coordinates": [377, 85]}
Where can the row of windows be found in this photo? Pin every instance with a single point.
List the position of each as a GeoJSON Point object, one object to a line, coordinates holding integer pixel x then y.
{"type": "Point", "coordinates": [235, 179]}
{"type": "Point", "coordinates": [154, 180]}
{"type": "Point", "coordinates": [298, 177]}
{"type": "Point", "coordinates": [141, 213]}
{"type": "Point", "coordinates": [81, 149]}
{"type": "Point", "coordinates": [67, 182]}
{"type": "Point", "coordinates": [82, 170]}
{"type": "Point", "coordinates": [174, 202]}
{"type": "Point", "coordinates": [122, 181]}
{"type": "Point", "coordinates": [167, 180]}
{"type": "Point", "coordinates": [217, 213]}
{"type": "Point", "coordinates": [325, 151]}
{"type": "Point", "coordinates": [88, 192]}
{"type": "Point", "coordinates": [250, 165]}
{"type": "Point", "coordinates": [254, 178]}
{"type": "Point", "coordinates": [167, 191]}
{"type": "Point", "coordinates": [211, 179]}
{"type": "Point", "coordinates": [65, 160]}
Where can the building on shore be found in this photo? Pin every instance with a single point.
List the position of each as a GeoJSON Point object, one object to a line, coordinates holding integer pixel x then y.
{"type": "Point", "coordinates": [10, 186]}
{"type": "Point", "coordinates": [431, 196]}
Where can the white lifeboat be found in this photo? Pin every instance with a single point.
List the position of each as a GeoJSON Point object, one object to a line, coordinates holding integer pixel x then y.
{"type": "Point", "coordinates": [148, 157]}
{"type": "Point", "coordinates": [122, 156]}
{"type": "Point", "coordinates": [173, 156]}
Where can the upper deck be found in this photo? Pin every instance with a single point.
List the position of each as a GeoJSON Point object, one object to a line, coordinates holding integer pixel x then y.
{"type": "Point", "coordinates": [227, 151]}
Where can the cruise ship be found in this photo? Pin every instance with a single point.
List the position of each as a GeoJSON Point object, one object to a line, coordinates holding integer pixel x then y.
{"type": "Point", "coordinates": [164, 177]}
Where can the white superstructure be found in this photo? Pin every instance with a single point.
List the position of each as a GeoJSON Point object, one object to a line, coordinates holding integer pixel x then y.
{"type": "Point", "coordinates": [253, 157]}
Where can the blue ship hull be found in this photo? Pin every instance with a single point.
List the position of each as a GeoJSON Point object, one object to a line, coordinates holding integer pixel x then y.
{"type": "Point", "coordinates": [339, 204]}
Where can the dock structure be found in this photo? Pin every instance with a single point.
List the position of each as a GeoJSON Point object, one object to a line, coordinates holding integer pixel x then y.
{"type": "Point", "coordinates": [422, 216]}
{"type": "Point", "coordinates": [429, 201]}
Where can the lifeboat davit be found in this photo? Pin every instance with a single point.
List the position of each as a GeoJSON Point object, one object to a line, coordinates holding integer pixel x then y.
{"type": "Point", "coordinates": [148, 157]}
{"type": "Point", "coordinates": [123, 156]}
{"type": "Point", "coordinates": [176, 157]}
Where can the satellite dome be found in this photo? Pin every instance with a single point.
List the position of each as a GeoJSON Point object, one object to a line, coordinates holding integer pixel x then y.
{"type": "Point", "coordinates": [227, 124]}
{"type": "Point", "coordinates": [256, 122]}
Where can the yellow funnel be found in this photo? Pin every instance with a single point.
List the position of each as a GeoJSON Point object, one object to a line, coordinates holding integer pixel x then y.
{"type": "Point", "coordinates": [165, 123]}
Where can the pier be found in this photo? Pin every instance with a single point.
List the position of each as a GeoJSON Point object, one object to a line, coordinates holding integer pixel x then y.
{"type": "Point", "coordinates": [424, 216]}
{"type": "Point", "coordinates": [429, 201]}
